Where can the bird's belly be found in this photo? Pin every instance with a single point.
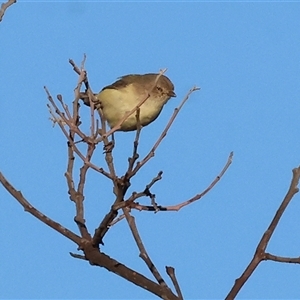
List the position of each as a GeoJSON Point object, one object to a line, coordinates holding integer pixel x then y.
{"type": "Point", "coordinates": [123, 103]}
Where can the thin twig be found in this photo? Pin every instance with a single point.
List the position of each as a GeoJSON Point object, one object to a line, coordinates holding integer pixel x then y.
{"type": "Point", "coordinates": [143, 253]}
{"type": "Point", "coordinates": [78, 70]}
{"type": "Point", "coordinates": [79, 256]}
{"type": "Point", "coordinates": [198, 196]}
{"type": "Point", "coordinates": [5, 6]}
{"type": "Point", "coordinates": [164, 133]}
{"type": "Point", "coordinates": [64, 106]}
{"type": "Point", "coordinates": [75, 68]}
{"type": "Point", "coordinates": [171, 273]}
{"type": "Point", "coordinates": [135, 155]}
{"type": "Point", "coordinates": [290, 260]}
{"type": "Point", "coordinates": [116, 220]}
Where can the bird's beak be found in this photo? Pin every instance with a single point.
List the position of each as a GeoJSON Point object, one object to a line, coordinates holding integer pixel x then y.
{"type": "Point", "coordinates": [171, 94]}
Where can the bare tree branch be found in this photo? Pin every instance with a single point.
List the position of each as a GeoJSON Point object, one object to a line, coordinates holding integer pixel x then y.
{"type": "Point", "coordinates": [32, 210]}
{"type": "Point", "coordinates": [92, 254]}
{"type": "Point", "coordinates": [260, 253]}
{"type": "Point", "coordinates": [69, 122]}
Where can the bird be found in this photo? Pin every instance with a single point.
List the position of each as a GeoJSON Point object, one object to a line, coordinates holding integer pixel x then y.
{"type": "Point", "coordinates": [127, 92]}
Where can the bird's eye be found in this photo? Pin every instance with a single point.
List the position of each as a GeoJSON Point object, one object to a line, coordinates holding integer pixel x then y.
{"type": "Point", "coordinates": [159, 88]}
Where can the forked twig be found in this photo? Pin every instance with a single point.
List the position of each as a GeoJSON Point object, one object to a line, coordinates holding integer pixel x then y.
{"type": "Point", "coordinates": [135, 195]}
{"type": "Point", "coordinates": [260, 253]}
{"type": "Point", "coordinates": [62, 119]}
{"type": "Point", "coordinates": [177, 207]}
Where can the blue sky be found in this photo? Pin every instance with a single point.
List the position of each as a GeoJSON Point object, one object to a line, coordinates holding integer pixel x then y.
{"type": "Point", "coordinates": [245, 56]}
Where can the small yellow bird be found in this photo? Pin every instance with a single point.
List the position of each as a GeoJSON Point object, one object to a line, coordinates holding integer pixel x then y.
{"type": "Point", "coordinates": [126, 93]}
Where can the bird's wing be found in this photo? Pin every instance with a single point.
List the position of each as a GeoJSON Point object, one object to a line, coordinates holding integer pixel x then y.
{"type": "Point", "coordinates": [119, 84]}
